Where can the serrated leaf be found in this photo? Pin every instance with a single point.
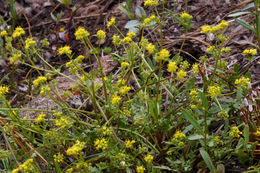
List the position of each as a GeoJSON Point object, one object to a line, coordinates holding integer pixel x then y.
{"type": "Point", "coordinates": [207, 160]}
{"type": "Point", "coordinates": [239, 14]}
{"type": "Point", "coordinates": [189, 117]}
{"type": "Point", "coordinates": [245, 24]}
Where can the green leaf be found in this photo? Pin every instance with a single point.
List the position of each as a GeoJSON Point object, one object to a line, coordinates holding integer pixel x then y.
{"type": "Point", "coordinates": [162, 167]}
{"type": "Point", "coordinates": [195, 137]}
{"type": "Point", "coordinates": [204, 99]}
{"type": "Point", "coordinates": [239, 14]}
{"type": "Point", "coordinates": [220, 168]}
{"type": "Point", "coordinates": [207, 160]}
{"type": "Point", "coordinates": [140, 12]}
{"type": "Point", "coordinates": [236, 68]}
{"type": "Point", "coordinates": [246, 134]}
{"type": "Point", "coordinates": [133, 25]}
{"type": "Point", "coordinates": [248, 6]}
{"type": "Point", "coordinates": [245, 24]}
{"type": "Point", "coordinates": [189, 117]}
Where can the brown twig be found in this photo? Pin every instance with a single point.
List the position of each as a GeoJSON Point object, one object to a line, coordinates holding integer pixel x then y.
{"type": "Point", "coordinates": [29, 26]}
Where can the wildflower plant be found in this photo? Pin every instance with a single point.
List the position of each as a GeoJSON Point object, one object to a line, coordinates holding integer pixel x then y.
{"type": "Point", "coordinates": [128, 127]}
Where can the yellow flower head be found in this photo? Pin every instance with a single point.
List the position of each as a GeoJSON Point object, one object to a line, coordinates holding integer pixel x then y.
{"type": "Point", "coordinates": [151, 2]}
{"type": "Point", "coordinates": [210, 49]}
{"type": "Point", "coordinates": [195, 68]}
{"type": "Point", "coordinates": [235, 133]}
{"type": "Point", "coordinates": [126, 40]}
{"type": "Point", "coordinates": [39, 80]}
{"type": "Point", "coordinates": [64, 50]}
{"type": "Point", "coordinates": [116, 40]}
{"type": "Point", "coordinates": [40, 118]}
{"type": "Point", "coordinates": [130, 34]}
{"type": "Point", "coordinates": [205, 29]}
{"type": "Point", "coordinates": [3, 33]}
{"type": "Point", "coordinates": [3, 90]}
{"type": "Point", "coordinates": [214, 91]}
{"type": "Point", "coordinates": [186, 16]}
{"type": "Point", "coordinates": [172, 67]}
{"type": "Point", "coordinates": [243, 82]}
{"type": "Point", "coordinates": [140, 169]}
{"type": "Point", "coordinates": [222, 25]}
{"type": "Point", "coordinates": [163, 55]}
{"type": "Point", "coordinates": [29, 42]}
{"type": "Point", "coordinates": [150, 48]}
{"type": "Point", "coordinates": [100, 144]}
{"type": "Point", "coordinates": [148, 158]}
{"type": "Point", "coordinates": [123, 90]}
{"type": "Point", "coordinates": [81, 33]}
{"type": "Point", "coordinates": [193, 93]}
{"type": "Point", "coordinates": [15, 57]}
{"type": "Point", "coordinates": [115, 99]}
{"type": "Point", "coordinates": [129, 144]}
{"type": "Point", "coordinates": [111, 22]}
{"type": "Point", "coordinates": [250, 52]}
{"type": "Point", "coordinates": [58, 158]}
{"type": "Point", "coordinates": [18, 32]}
{"type": "Point", "coordinates": [181, 75]}
{"type": "Point", "coordinates": [76, 148]}
{"type": "Point", "coordinates": [101, 34]}
{"type": "Point", "coordinates": [124, 64]}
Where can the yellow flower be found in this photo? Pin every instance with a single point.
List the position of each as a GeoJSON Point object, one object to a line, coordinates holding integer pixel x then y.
{"type": "Point", "coordinates": [214, 91]}
{"type": "Point", "coordinates": [18, 32]}
{"type": "Point", "coordinates": [101, 34]}
{"type": "Point", "coordinates": [244, 82]}
{"type": "Point", "coordinates": [205, 29]}
{"type": "Point", "coordinates": [151, 2]}
{"type": "Point", "coordinates": [126, 40]}
{"type": "Point", "coordinates": [3, 33]}
{"type": "Point", "coordinates": [148, 158]}
{"type": "Point", "coordinates": [63, 122]}
{"type": "Point", "coordinates": [70, 170]}
{"type": "Point", "coordinates": [121, 82]}
{"type": "Point", "coordinates": [115, 99]}
{"type": "Point", "coordinates": [64, 50]}
{"type": "Point", "coordinates": [216, 140]}
{"type": "Point", "coordinates": [58, 158]}
{"type": "Point", "coordinates": [140, 169]}
{"type": "Point", "coordinates": [193, 93]}
{"type": "Point", "coordinates": [250, 52]}
{"type": "Point", "coordinates": [172, 67]}
{"type": "Point", "coordinates": [15, 57]}
{"type": "Point", "coordinates": [130, 34]}
{"type": "Point", "coordinates": [81, 33]}
{"type": "Point", "coordinates": [76, 148]}
{"type": "Point", "coordinates": [163, 55]}
{"type": "Point", "coordinates": [185, 65]}
{"type": "Point", "coordinates": [223, 114]}
{"type": "Point", "coordinates": [111, 22]}
{"type": "Point", "coordinates": [3, 90]}
{"type": "Point", "coordinates": [129, 144]}
{"type": "Point", "coordinates": [29, 42]}
{"type": "Point", "coordinates": [40, 118]}
{"type": "Point", "coordinates": [179, 135]}
{"type": "Point", "coordinates": [25, 167]}
{"type": "Point", "coordinates": [124, 90]}
{"type": "Point", "coordinates": [150, 48]}
{"type": "Point", "coordinates": [226, 49]}
{"type": "Point", "coordinates": [195, 68]}
{"type": "Point", "coordinates": [181, 75]}
{"type": "Point", "coordinates": [186, 16]}
{"type": "Point", "coordinates": [116, 40]}
{"type": "Point", "coordinates": [210, 49]}
{"type": "Point", "coordinates": [39, 80]}
{"type": "Point", "coordinates": [235, 133]}
{"type": "Point", "coordinates": [214, 29]}
{"type": "Point", "coordinates": [222, 25]}
{"type": "Point", "coordinates": [124, 64]}
{"type": "Point", "coordinates": [101, 144]}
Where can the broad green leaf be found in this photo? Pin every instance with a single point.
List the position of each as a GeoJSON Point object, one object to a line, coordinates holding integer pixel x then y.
{"type": "Point", "coordinates": [195, 137]}
{"type": "Point", "coordinates": [162, 167]}
{"type": "Point", "coordinates": [133, 25]}
{"type": "Point", "coordinates": [204, 99]}
{"type": "Point", "coordinates": [189, 117]}
{"type": "Point", "coordinates": [245, 24]}
{"type": "Point", "coordinates": [248, 6]}
{"type": "Point", "coordinates": [238, 14]}
{"type": "Point", "coordinates": [236, 68]}
{"type": "Point", "coordinates": [207, 160]}
{"type": "Point", "coordinates": [246, 134]}
{"type": "Point", "coordinates": [140, 12]}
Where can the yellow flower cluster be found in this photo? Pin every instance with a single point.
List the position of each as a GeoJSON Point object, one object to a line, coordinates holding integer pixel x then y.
{"type": "Point", "coordinates": [148, 158]}
{"type": "Point", "coordinates": [101, 144]}
{"type": "Point", "coordinates": [195, 68]}
{"type": "Point", "coordinates": [150, 48]}
{"type": "Point", "coordinates": [151, 2]}
{"type": "Point", "coordinates": [25, 167]}
{"type": "Point", "coordinates": [163, 55]}
{"type": "Point", "coordinates": [44, 90]}
{"type": "Point", "coordinates": [3, 90]}
{"type": "Point", "coordinates": [257, 131]}
{"type": "Point", "coordinates": [121, 82]}
{"type": "Point", "coordinates": [15, 57]}
{"type": "Point", "coordinates": [148, 20]}
{"type": "Point", "coordinates": [131, 34]}
{"type": "Point", "coordinates": [223, 114]}
{"type": "Point", "coordinates": [115, 99]}
{"type": "Point", "coordinates": [207, 29]}
{"type": "Point", "coordinates": [181, 75]}
{"type": "Point", "coordinates": [243, 82]}
{"type": "Point", "coordinates": [217, 141]}
{"type": "Point", "coordinates": [58, 158]}
{"type": "Point", "coordinates": [39, 80]}
{"type": "Point", "coordinates": [130, 144]}
{"type": "Point", "coordinates": [107, 131]}
{"type": "Point", "coordinates": [123, 90]}
{"type": "Point", "coordinates": [226, 49]}
{"type": "Point", "coordinates": [29, 42]}
{"type": "Point", "coordinates": [111, 22]}
{"type": "Point", "coordinates": [101, 34]}
{"type": "Point", "coordinates": [124, 64]}
{"type": "Point", "coordinates": [186, 16]}
{"type": "Point", "coordinates": [18, 32]}
{"type": "Point", "coordinates": [81, 33]}
{"type": "Point", "coordinates": [140, 169]}
{"type": "Point", "coordinates": [172, 67]}
{"type": "Point", "coordinates": [76, 148]}
{"type": "Point", "coordinates": [194, 93]}
{"type": "Point", "coordinates": [63, 122]}
{"type": "Point", "coordinates": [64, 50]}
{"type": "Point", "coordinates": [40, 118]}
{"type": "Point", "coordinates": [250, 52]}
{"type": "Point", "coordinates": [210, 49]}
{"type": "Point", "coordinates": [235, 133]}
{"type": "Point", "coordinates": [178, 139]}
{"type": "Point", "coordinates": [185, 65]}
{"type": "Point", "coordinates": [214, 91]}
{"type": "Point", "coordinates": [116, 40]}
{"type": "Point", "coordinates": [3, 33]}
